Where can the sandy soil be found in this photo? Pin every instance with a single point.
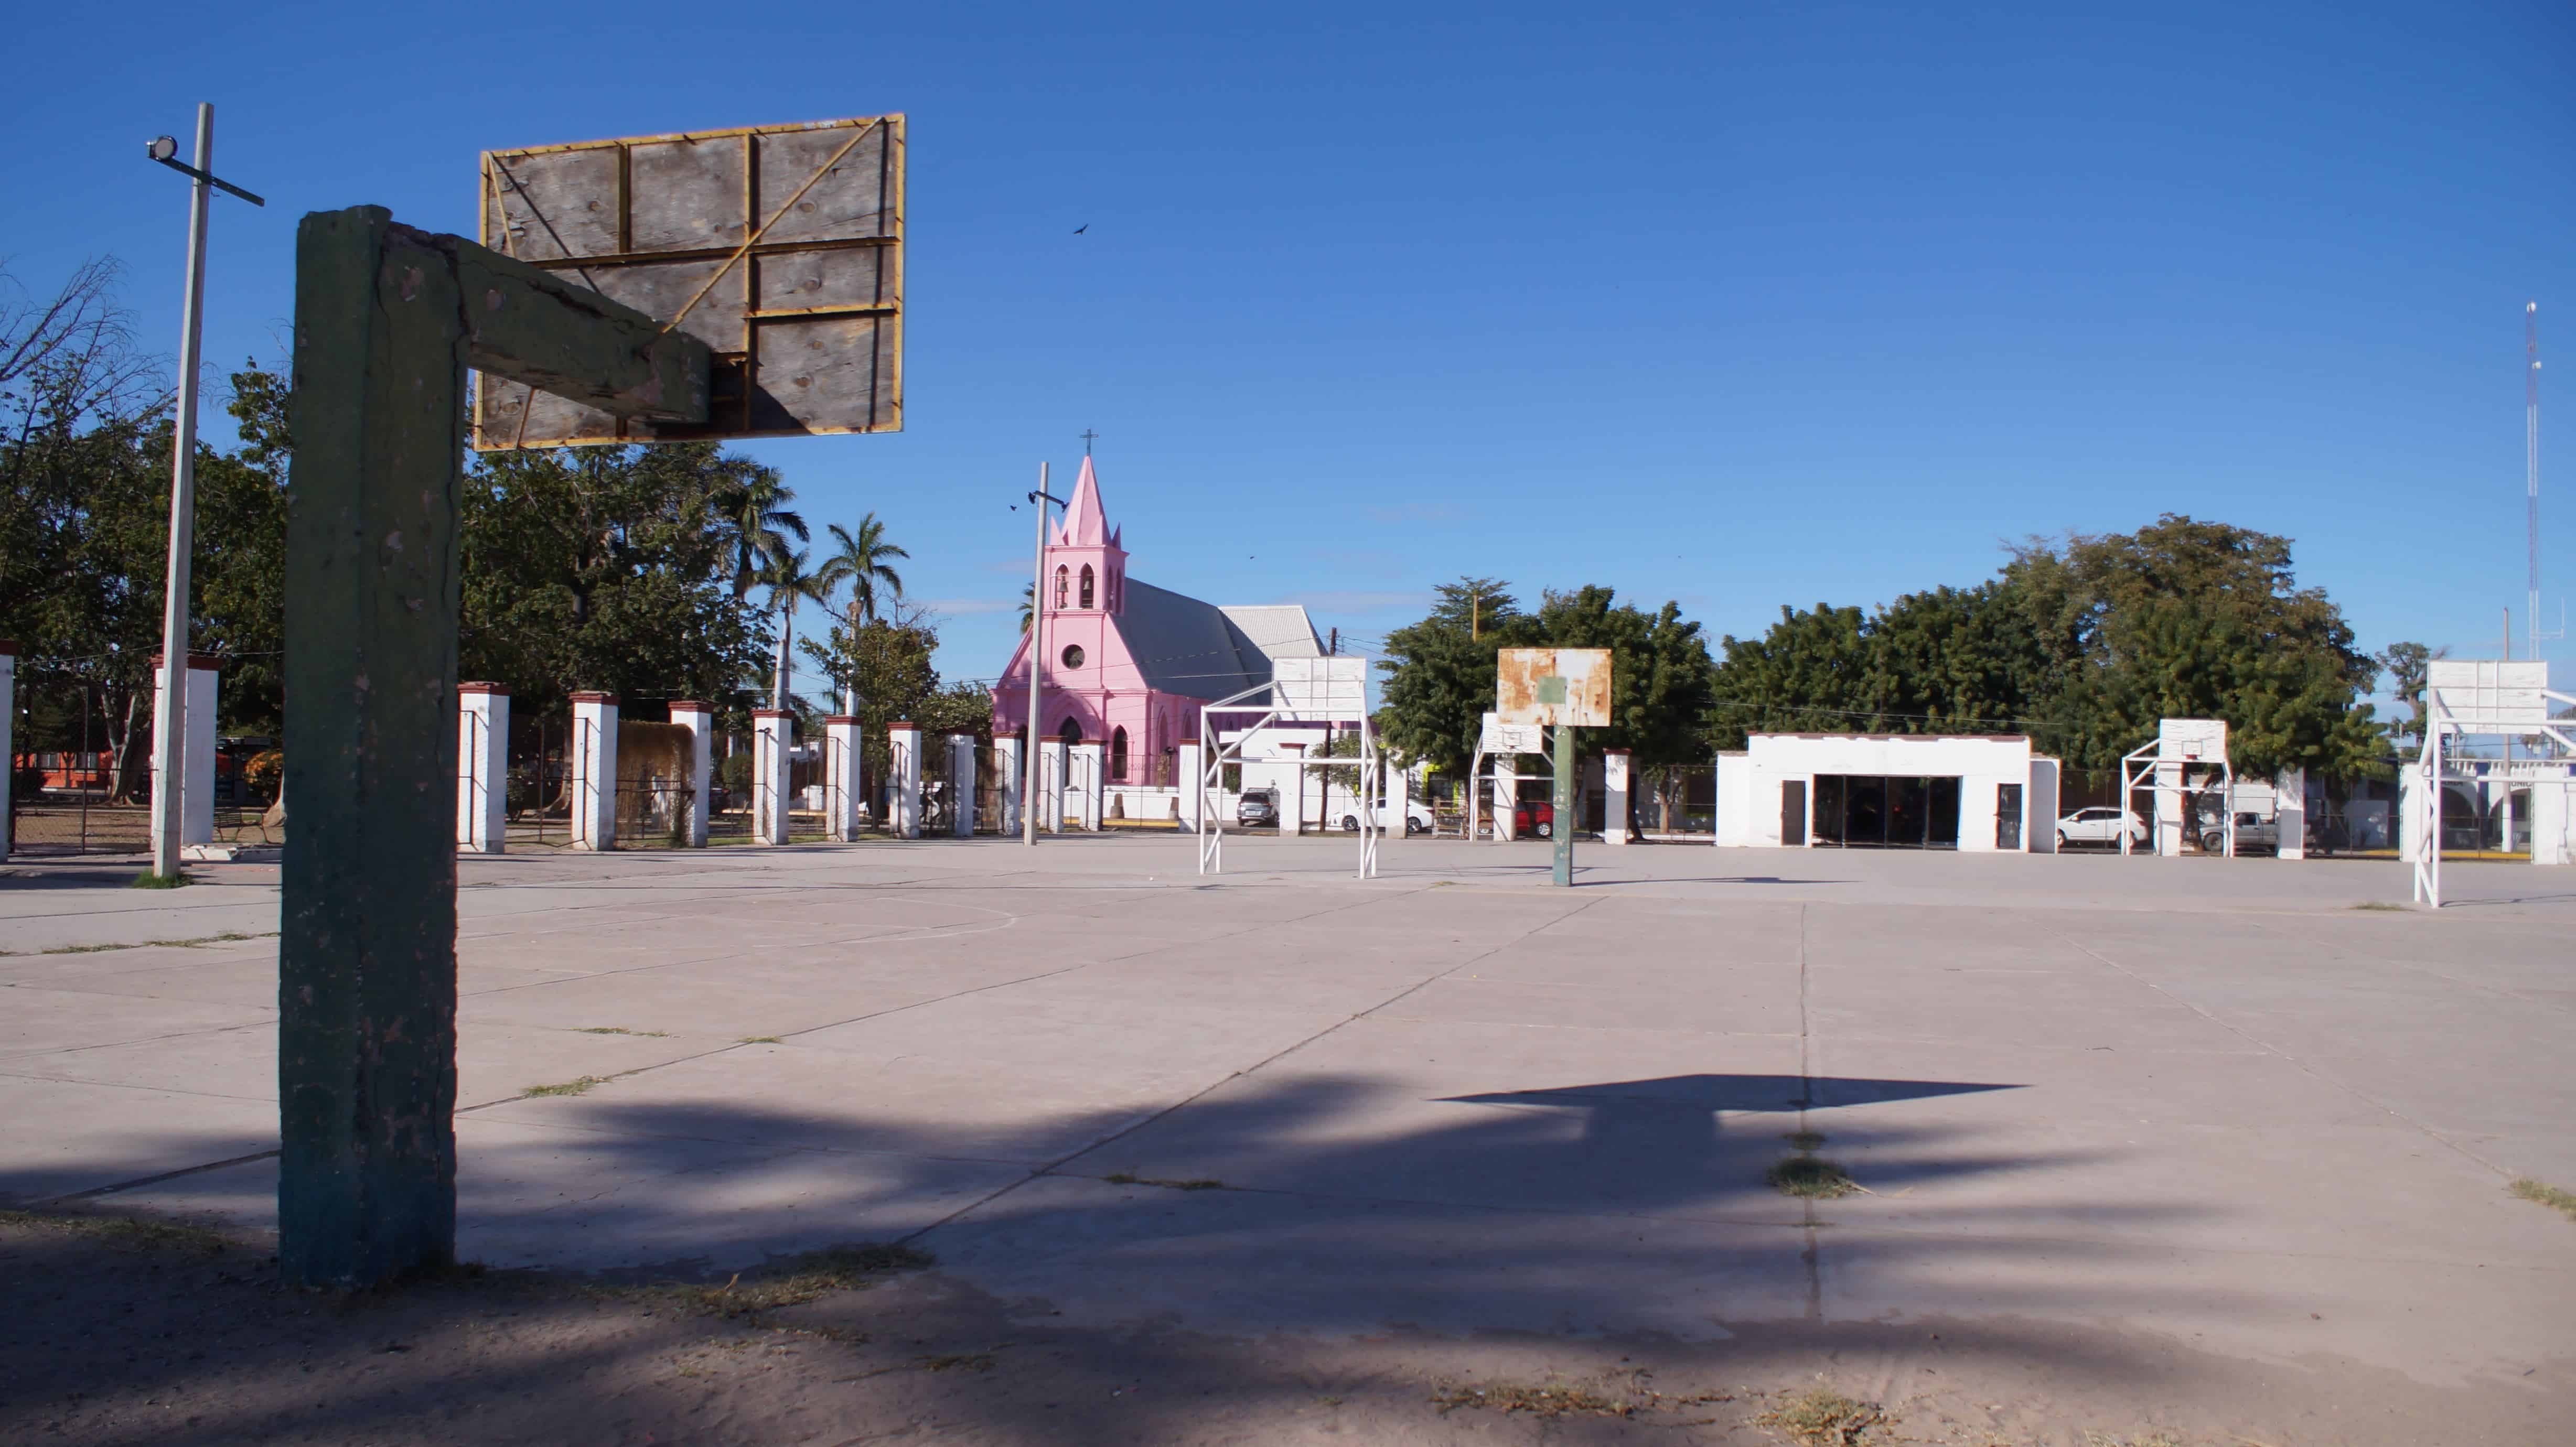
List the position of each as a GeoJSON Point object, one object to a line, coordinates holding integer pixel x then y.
{"type": "Point", "coordinates": [119, 1335]}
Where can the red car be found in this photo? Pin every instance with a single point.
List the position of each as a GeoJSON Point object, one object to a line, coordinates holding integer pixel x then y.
{"type": "Point", "coordinates": [1533, 820]}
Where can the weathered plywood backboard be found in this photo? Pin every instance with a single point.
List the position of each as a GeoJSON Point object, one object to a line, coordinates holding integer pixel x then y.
{"type": "Point", "coordinates": [1559, 686]}
{"type": "Point", "coordinates": [781, 247]}
{"type": "Point", "coordinates": [2191, 740]}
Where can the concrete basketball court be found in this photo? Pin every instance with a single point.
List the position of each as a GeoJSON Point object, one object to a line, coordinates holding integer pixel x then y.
{"type": "Point", "coordinates": [2206, 1099]}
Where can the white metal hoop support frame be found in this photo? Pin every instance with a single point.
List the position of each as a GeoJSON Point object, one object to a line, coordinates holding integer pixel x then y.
{"type": "Point", "coordinates": [2138, 769]}
{"type": "Point", "coordinates": [1267, 704]}
{"type": "Point", "coordinates": [2488, 714]}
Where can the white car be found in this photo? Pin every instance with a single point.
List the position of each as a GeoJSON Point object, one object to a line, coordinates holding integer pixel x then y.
{"type": "Point", "coordinates": [2099, 825]}
{"type": "Point", "coordinates": [1417, 818]}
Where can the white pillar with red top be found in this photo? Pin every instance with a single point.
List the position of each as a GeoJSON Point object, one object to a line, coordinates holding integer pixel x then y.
{"type": "Point", "coordinates": [903, 744]}
{"type": "Point", "coordinates": [773, 733]}
{"type": "Point", "coordinates": [699, 719]}
{"type": "Point", "coordinates": [593, 786]}
{"type": "Point", "coordinates": [841, 760]}
{"type": "Point", "coordinates": [482, 766]}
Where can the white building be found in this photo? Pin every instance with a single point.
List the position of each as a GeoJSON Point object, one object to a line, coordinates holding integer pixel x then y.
{"type": "Point", "coordinates": [1978, 793]}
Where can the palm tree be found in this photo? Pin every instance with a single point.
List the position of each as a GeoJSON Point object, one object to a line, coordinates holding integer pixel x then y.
{"type": "Point", "coordinates": [756, 522]}
{"type": "Point", "coordinates": [862, 563]}
{"type": "Point", "coordinates": [1028, 604]}
{"type": "Point", "coordinates": [788, 581]}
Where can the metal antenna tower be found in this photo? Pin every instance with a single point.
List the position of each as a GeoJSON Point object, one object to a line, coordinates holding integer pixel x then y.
{"type": "Point", "coordinates": [2531, 467]}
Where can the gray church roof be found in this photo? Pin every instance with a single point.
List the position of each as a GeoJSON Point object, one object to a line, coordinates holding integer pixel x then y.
{"type": "Point", "coordinates": [1199, 650]}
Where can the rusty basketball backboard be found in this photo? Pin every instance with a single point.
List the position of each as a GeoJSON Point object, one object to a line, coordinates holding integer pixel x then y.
{"type": "Point", "coordinates": [780, 247]}
{"type": "Point", "coordinates": [1561, 686]}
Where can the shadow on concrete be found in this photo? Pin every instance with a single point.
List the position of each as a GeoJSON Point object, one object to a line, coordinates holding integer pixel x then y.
{"type": "Point", "coordinates": [1592, 1227]}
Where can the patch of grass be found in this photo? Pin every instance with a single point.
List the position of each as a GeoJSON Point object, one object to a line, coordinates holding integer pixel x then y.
{"type": "Point", "coordinates": [622, 1030]}
{"type": "Point", "coordinates": [2563, 1202]}
{"type": "Point", "coordinates": [1823, 1417]}
{"type": "Point", "coordinates": [149, 880]}
{"type": "Point", "coordinates": [2152, 1439]}
{"type": "Point", "coordinates": [1804, 1140]}
{"type": "Point", "coordinates": [792, 1282]}
{"type": "Point", "coordinates": [1125, 1178]}
{"type": "Point", "coordinates": [130, 1231]}
{"type": "Point", "coordinates": [1552, 1399]}
{"type": "Point", "coordinates": [1810, 1178]}
{"type": "Point", "coordinates": [758, 1040]}
{"type": "Point", "coordinates": [583, 1086]}
{"type": "Point", "coordinates": [2373, 904]}
{"type": "Point", "coordinates": [1613, 1398]}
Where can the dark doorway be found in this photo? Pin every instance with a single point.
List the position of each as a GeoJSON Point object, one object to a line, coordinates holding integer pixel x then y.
{"type": "Point", "coordinates": [1793, 812]}
{"type": "Point", "coordinates": [1875, 811]}
{"type": "Point", "coordinates": [2008, 816]}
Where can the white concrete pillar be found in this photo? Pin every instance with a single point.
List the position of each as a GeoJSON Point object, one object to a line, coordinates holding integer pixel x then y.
{"type": "Point", "coordinates": [593, 786]}
{"type": "Point", "coordinates": [1614, 796]}
{"type": "Point", "coordinates": [1014, 779]}
{"type": "Point", "coordinates": [197, 761]}
{"type": "Point", "coordinates": [1189, 771]}
{"type": "Point", "coordinates": [903, 742]}
{"type": "Point", "coordinates": [1399, 798]}
{"type": "Point", "coordinates": [1089, 783]}
{"type": "Point", "coordinates": [699, 718]}
{"type": "Point", "coordinates": [8, 759]}
{"type": "Point", "coordinates": [1506, 795]}
{"type": "Point", "coordinates": [1051, 785]}
{"type": "Point", "coordinates": [961, 785]}
{"type": "Point", "coordinates": [773, 733]}
{"type": "Point", "coordinates": [2173, 821]}
{"type": "Point", "coordinates": [482, 766]}
{"type": "Point", "coordinates": [2039, 808]}
{"type": "Point", "coordinates": [2550, 799]}
{"type": "Point", "coordinates": [2290, 812]}
{"type": "Point", "coordinates": [841, 757]}
{"type": "Point", "coordinates": [1292, 790]}
{"type": "Point", "coordinates": [2410, 812]}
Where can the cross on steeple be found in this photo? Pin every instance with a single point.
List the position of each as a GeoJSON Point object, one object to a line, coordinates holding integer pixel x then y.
{"type": "Point", "coordinates": [1087, 437]}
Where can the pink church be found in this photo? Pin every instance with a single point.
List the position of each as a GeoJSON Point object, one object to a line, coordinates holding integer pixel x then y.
{"type": "Point", "coordinates": [1129, 664]}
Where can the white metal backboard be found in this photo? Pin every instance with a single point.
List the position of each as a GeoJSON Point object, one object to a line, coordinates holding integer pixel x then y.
{"type": "Point", "coordinates": [1564, 686]}
{"type": "Point", "coordinates": [1511, 738]}
{"type": "Point", "coordinates": [2191, 740]}
{"type": "Point", "coordinates": [2488, 696]}
{"type": "Point", "coordinates": [1334, 688]}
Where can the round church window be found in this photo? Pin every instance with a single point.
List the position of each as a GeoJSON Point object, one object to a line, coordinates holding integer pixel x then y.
{"type": "Point", "coordinates": [1072, 655]}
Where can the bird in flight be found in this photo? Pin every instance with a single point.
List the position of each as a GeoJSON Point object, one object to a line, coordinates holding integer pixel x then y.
{"type": "Point", "coordinates": [1086, 226]}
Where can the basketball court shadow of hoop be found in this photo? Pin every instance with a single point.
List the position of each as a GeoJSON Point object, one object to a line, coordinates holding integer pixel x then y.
{"type": "Point", "coordinates": [1650, 1127]}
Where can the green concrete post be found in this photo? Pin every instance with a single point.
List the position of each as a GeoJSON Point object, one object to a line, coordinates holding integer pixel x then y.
{"type": "Point", "coordinates": [366, 1041]}
{"type": "Point", "coordinates": [1565, 820]}
{"type": "Point", "coordinates": [387, 320]}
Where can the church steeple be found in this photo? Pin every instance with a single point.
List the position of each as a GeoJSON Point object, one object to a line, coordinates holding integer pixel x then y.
{"type": "Point", "coordinates": [1085, 560]}
{"type": "Point", "coordinates": [1086, 522]}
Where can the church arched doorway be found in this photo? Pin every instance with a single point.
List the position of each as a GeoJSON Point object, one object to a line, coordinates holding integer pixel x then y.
{"type": "Point", "coordinates": [1118, 754]}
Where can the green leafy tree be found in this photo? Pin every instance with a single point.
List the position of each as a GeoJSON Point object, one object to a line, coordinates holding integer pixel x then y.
{"type": "Point", "coordinates": [1440, 672]}
{"type": "Point", "coordinates": [864, 562]}
{"type": "Point", "coordinates": [2408, 665]}
{"type": "Point", "coordinates": [1811, 673]}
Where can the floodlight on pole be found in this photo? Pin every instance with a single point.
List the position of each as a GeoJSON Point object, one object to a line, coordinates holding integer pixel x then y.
{"type": "Point", "coordinates": [169, 755]}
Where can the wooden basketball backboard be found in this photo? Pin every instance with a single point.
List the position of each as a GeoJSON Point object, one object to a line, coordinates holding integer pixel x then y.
{"type": "Point", "coordinates": [1560, 686]}
{"type": "Point", "coordinates": [780, 247]}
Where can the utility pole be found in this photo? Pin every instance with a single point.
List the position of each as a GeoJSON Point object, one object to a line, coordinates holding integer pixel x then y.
{"type": "Point", "coordinates": [2531, 468]}
{"type": "Point", "coordinates": [170, 751]}
{"type": "Point", "coordinates": [1037, 659]}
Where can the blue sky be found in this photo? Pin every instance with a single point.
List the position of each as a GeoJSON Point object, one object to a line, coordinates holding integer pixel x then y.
{"type": "Point", "coordinates": [1735, 305]}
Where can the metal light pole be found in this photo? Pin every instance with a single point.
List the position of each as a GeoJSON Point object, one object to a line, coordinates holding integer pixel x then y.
{"type": "Point", "coordinates": [170, 753]}
{"type": "Point", "coordinates": [1037, 660]}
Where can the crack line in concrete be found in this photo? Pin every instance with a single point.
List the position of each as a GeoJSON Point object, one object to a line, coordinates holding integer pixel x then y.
{"type": "Point", "coordinates": [1810, 1257]}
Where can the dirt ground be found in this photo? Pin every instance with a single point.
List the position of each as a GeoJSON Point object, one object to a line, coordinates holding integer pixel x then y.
{"type": "Point", "coordinates": [126, 1333]}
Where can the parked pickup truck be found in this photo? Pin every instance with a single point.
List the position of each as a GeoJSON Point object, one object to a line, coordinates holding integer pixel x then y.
{"type": "Point", "coordinates": [2254, 835]}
